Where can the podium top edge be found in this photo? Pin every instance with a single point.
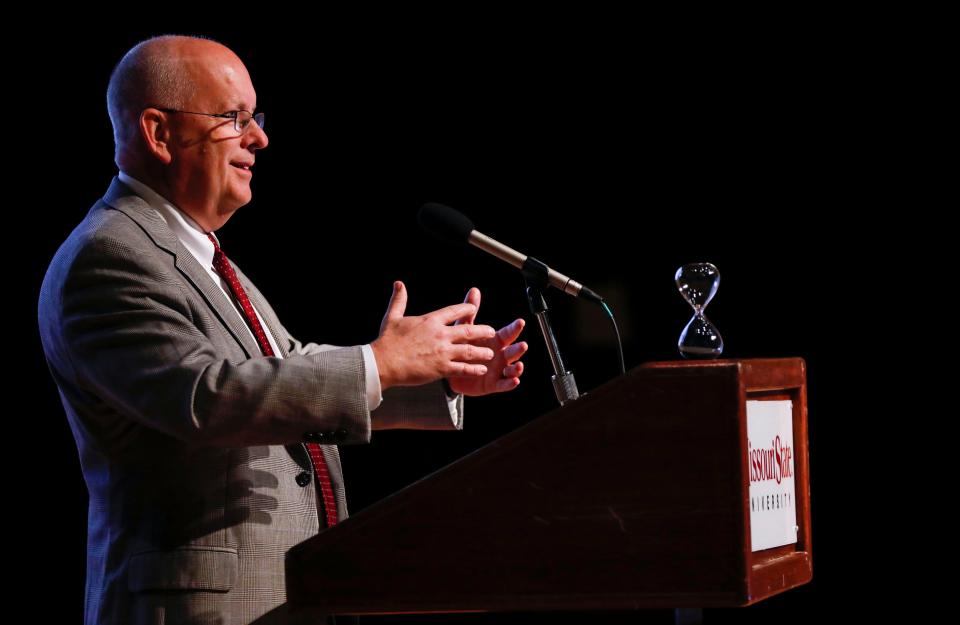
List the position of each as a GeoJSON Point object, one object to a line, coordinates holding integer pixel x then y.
{"type": "Point", "coordinates": [756, 374]}
{"type": "Point", "coordinates": [795, 361]}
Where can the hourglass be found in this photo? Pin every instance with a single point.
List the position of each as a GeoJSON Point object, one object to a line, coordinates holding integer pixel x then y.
{"type": "Point", "coordinates": [698, 283]}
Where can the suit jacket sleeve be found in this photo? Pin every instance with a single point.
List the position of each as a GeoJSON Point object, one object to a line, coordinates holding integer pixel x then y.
{"type": "Point", "coordinates": [405, 407]}
{"type": "Point", "coordinates": [128, 338]}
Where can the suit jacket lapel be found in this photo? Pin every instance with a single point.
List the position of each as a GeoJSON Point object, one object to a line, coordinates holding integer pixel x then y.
{"type": "Point", "coordinates": [266, 312]}
{"type": "Point", "coordinates": [122, 198]}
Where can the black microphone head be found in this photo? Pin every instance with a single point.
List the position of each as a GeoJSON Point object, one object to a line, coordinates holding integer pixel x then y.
{"type": "Point", "coordinates": [444, 222]}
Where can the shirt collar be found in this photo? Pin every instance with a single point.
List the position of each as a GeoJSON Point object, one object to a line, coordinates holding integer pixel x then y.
{"type": "Point", "coordinates": [191, 235]}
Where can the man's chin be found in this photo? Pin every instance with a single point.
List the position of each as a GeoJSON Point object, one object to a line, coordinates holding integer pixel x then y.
{"type": "Point", "coordinates": [228, 211]}
{"type": "Point", "coordinates": [239, 201]}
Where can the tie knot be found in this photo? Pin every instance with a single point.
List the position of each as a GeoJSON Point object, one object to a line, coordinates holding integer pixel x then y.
{"type": "Point", "coordinates": [218, 255]}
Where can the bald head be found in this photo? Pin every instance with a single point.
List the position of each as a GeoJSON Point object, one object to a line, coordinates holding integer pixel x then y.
{"type": "Point", "coordinates": [175, 105]}
{"type": "Point", "coordinates": [165, 72]}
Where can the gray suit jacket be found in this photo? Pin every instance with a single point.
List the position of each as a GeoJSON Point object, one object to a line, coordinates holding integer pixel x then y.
{"type": "Point", "coordinates": [190, 441]}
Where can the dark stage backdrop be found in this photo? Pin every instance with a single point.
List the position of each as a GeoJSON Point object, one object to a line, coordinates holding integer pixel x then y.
{"type": "Point", "coordinates": [612, 160]}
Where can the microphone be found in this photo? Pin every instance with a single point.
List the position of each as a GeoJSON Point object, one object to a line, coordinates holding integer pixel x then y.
{"type": "Point", "coordinates": [450, 225]}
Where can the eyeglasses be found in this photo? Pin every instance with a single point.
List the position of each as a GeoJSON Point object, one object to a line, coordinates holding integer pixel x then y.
{"type": "Point", "coordinates": [241, 119]}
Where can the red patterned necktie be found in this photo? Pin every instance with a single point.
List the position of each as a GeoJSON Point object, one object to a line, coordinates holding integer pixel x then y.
{"type": "Point", "coordinates": [225, 269]}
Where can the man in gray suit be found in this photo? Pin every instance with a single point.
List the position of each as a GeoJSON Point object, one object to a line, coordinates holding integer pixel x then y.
{"type": "Point", "coordinates": [194, 411]}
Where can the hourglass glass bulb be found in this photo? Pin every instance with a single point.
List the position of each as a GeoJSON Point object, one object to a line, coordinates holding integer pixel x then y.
{"type": "Point", "coordinates": [697, 283]}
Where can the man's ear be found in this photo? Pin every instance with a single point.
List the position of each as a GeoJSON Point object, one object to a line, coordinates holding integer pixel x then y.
{"type": "Point", "coordinates": [155, 131]}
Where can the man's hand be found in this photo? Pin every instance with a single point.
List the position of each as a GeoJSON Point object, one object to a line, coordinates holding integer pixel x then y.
{"type": "Point", "coordinates": [417, 350]}
{"type": "Point", "coordinates": [504, 370]}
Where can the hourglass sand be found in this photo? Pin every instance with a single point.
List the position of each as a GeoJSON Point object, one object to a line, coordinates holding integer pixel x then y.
{"type": "Point", "coordinates": [698, 283]}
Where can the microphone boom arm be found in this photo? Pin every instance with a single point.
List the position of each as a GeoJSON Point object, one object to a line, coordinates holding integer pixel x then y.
{"type": "Point", "coordinates": [509, 255]}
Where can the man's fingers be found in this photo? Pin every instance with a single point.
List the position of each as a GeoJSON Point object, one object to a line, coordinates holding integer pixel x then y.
{"type": "Point", "coordinates": [509, 333]}
{"type": "Point", "coordinates": [467, 332]}
{"type": "Point", "coordinates": [471, 353]}
{"type": "Point", "coordinates": [453, 313]}
{"type": "Point", "coordinates": [513, 371]}
{"type": "Point", "coordinates": [473, 297]}
{"type": "Point", "coordinates": [398, 301]}
{"type": "Point", "coordinates": [506, 384]}
{"type": "Point", "coordinates": [464, 369]}
{"type": "Point", "coordinates": [514, 352]}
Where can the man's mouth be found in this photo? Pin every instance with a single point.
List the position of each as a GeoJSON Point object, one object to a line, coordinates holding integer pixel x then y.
{"type": "Point", "coordinates": [243, 166]}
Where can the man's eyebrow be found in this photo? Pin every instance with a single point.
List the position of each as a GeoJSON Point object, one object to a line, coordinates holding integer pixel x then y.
{"type": "Point", "coordinates": [237, 106]}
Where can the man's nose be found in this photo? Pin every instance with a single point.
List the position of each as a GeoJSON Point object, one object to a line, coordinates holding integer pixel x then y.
{"type": "Point", "coordinates": [256, 137]}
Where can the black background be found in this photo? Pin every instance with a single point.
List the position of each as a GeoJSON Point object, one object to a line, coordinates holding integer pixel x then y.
{"type": "Point", "coordinates": [613, 153]}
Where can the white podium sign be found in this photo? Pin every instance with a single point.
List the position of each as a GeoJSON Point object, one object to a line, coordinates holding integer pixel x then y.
{"type": "Point", "coordinates": [770, 451]}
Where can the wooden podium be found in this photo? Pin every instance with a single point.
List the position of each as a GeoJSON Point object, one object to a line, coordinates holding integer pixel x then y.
{"type": "Point", "coordinates": [634, 496]}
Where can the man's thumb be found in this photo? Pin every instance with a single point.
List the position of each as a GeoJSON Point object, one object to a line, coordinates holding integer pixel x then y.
{"type": "Point", "coordinates": [398, 301]}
